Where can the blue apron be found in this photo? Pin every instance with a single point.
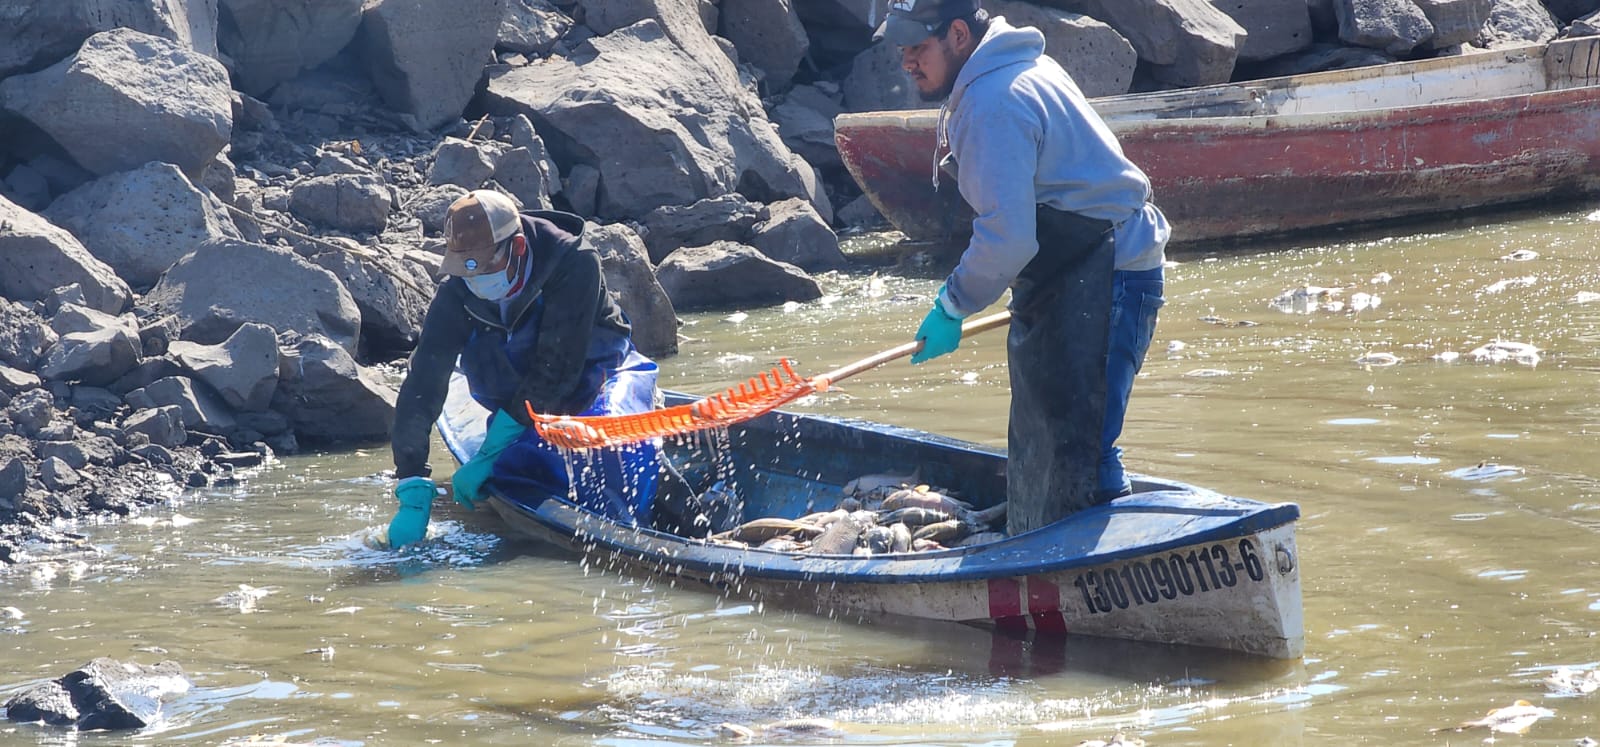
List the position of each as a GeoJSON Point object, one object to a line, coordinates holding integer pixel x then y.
{"type": "Point", "coordinates": [618, 483]}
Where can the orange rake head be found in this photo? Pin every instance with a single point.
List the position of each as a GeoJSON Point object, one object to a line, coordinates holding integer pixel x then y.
{"type": "Point", "coordinates": [761, 394]}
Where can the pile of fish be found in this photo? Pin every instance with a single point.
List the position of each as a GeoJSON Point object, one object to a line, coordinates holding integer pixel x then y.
{"type": "Point", "coordinates": [875, 518]}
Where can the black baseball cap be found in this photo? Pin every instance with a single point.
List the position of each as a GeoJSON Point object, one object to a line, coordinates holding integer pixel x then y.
{"type": "Point", "coordinates": [911, 21]}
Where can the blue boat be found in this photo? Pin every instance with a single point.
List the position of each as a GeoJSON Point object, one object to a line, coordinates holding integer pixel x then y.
{"type": "Point", "coordinates": [1172, 563]}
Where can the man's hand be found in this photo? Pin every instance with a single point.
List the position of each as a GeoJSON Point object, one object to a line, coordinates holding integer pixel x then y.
{"type": "Point", "coordinates": [940, 333]}
{"type": "Point", "coordinates": [410, 522]}
{"type": "Point", "coordinates": [467, 483]}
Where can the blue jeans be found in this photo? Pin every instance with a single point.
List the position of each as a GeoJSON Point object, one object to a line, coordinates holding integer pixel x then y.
{"type": "Point", "coordinates": [1136, 296]}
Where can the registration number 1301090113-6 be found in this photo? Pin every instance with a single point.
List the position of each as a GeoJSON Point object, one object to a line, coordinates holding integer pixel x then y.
{"type": "Point", "coordinates": [1184, 573]}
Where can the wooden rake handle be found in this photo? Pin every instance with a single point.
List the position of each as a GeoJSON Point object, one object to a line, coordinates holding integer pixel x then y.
{"type": "Point", "coordinates": [993, 321]}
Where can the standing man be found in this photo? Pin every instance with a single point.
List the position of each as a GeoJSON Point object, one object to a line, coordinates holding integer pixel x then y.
{"type": "Point", "coordinates": [527, 310]}
{"type": "Point", "coordinates": [1065, 220]}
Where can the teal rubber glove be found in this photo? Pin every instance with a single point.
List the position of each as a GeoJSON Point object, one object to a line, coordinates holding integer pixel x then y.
{"type": "Point", "coordinates": [410, 522]}
{"type": "Point", "coordinates": [940, 333]}
{"type": "Point", "coordinates": [467, 483]}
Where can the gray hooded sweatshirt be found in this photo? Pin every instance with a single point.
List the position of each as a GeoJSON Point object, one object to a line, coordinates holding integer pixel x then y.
{"type": "Point", "coordinates": [1022, 134]}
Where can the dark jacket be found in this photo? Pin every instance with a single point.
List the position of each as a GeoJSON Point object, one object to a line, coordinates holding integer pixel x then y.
{"type": "Point", "coordinates": [566, 331]}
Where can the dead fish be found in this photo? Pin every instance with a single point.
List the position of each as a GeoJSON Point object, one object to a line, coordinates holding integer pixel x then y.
{"type": "Point", "coordinates": [787, 728]}
{"type": "Point", "coordinates": [916, 516]}
{"type": "Point", "coordinates": [1487, 471]}
{"type": "Point", "coordinates": [824, 518]}
{"type": "Point", "coordinates": [944, 532]}
{"type": "Point", "coordinates": [1225, 322]}
{"type": "Point", "coordinates": [1377, 358]}
{"type": "Point", "coordinates": [922, 496]}
{"type": "Point", "coordinates": [987, 517]}
{"type": "Point", "coordinates": [869, 483]}
{"type": "Point", "coordinates": [1566, 681]}
{"type": "Point", "coordinates": [840, 538]}
{"type": "Point", "coordinates": [1501, 351]}
{"type": "Point", "coordinates": [1512, 719]}
{"type": "Point", "coordinates": [1500, 285]}
{"type": "Point", "coordinates": [781, 544]}
{"type": "Point", "coordinates": [1208, 373]}
{"type": "Point", "coordinates": [877, 540]}
{"type": "Point", "coordinates": [1520, 255]}
{"type": "Point", "coordinates": [926, 545]}
{"type": "Point", "coordinates": [1447, 356]}
{"type": "Point", "coordinates": [1120, 740]}
{"type": "Point", "coordinates": [245, 598]}
{"type": "Point", "coordinates": [1364, 301]}
{"type": "Point", "coordinates": [1307, 298]}
{"type": "Point", "coordinates": [760, 530]}
{"type": "Point", "coordinates": [980, 538]}
{"type": "Point", "coordinates": [901, 538]}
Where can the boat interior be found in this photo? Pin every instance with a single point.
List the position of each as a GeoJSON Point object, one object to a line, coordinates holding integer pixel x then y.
{"type": "Point", "coordinates": [1519, 71]}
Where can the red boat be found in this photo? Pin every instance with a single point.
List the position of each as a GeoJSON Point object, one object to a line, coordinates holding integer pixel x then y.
{"type": "Point", "coordinates": [1285, 155]}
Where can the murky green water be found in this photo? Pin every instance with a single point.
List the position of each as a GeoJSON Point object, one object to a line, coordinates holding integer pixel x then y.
{"type": "Point", "coordinates": [1433, 592]}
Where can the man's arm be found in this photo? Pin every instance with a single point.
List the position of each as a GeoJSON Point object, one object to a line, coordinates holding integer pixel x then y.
{"type": "Point", "coordinates": [998, 150]}
{"type": "Point", "coordinates": [422, 394]}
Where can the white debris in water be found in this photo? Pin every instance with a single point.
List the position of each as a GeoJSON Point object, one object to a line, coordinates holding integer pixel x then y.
{"type": "Point", "coordinates": [789, 307]}
{"type": "Point", "coordinates": [1377, 358]}
{"type": "Point", "coordinates": [11, 613]}
{"type": "Point", "coordinates": [736, 317]}
{"type": "Point", "coordinates": [875, 287]}
{"type": "Point", "coordinates": [1305, 299]}
{"type": "Point", "coordinates": [1586, 297]}
{"type": "Point", "coordinates": [245, 599]}
{"type": "Point", "coordinates": [1593, 217]}
{"type": "Point", "coordinates": [1500, 285]}
{"type": "Point", "coordinates": [1382, 278]}
{"type": "Point", "coordinates": [1446, 356]}
{"type": "Point", "coordinates": [1503, 351]}
{"type": "Point", "coordinates": [1487, 471]}
{"type": "Point", "coordinates": [970, 377]}
{"type": "Point", "coordinates": [733, 359]}
{"type": "Point", "coordinates": [1208, 373]}
{"type": "Point", "coordinates": [1174, 347]}
{"type": "Point", "coordinates": [1568, 681]}
{"type": "Point", "coordinates": [1364, 301]}
{"type": "Point", "coordinates": [1521, 255]}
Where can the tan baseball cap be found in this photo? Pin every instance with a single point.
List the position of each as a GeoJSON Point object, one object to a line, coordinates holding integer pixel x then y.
{"type": "Point", "coordinates": [473, 227]}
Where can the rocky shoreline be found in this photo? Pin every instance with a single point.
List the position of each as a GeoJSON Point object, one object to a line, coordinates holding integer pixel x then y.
{"type": "Point", "coordinates": [220, 219]}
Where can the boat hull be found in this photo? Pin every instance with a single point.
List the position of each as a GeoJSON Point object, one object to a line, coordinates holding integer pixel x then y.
{"type": "Point", "coordinates": [1224, 174]}
{"type": "Point", "coordinates": [1172, 563]}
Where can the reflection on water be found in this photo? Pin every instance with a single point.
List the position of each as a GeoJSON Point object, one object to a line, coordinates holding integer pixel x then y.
{"type": "Point", "coordinates": [1450, 511]}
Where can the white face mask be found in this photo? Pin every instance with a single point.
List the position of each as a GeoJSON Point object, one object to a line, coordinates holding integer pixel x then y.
{"type": "Point", "coordinates": [491, 286]}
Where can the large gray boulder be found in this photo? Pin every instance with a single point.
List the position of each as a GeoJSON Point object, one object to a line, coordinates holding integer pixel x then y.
{"type": "Point", "coordinates": [1516, 22]}
{"type": "Point", "coordinates": [661, 124]}
{"type": "Point", "coordinates": [1185, 42]}
{"type": "Point", "coordinates": [128, 98]}
{"type": "Point", "coordinates": [391, 293]}
{"type": "Point", "coordinates": [272, 41]}
{"type": "Point", "coordinates": [795, 233]}
{"type": "Point", "coordinates": [1098, 58]}
{"type": "Point", "coordinates": [103, 694]}
{"type": "Point", "coordinates": [1455, 21]}
{"type": "Point", "coordinates": [141, 221]}
{"type": "Point", "coordinates": [1394, 26]}
{"type": "Point", "coordinates": [23, 336]}
{"type": "Point", "coordinates": [727, 274]}
{"type": "Point", "coordinates": [1273, 27]}
{"type": "Point", "coordinates": [243, 369]}
{"type": "Point", "coordinates": [725, 218]}
{"type": "Point", "coordinates": [358, 203]}
{"type": "Point", "coordinates": [36, 257]}
{"type": "Point", "coordinates": [328, 396]}
{"type": "Point", "coordinates": [876, 82]}
{"type": "Point", "coordinates": [35, 34]}
{"type": "Point", "coordinates": [224, 284]}
{"type": "Point", "coordinates": [428, 57]}
{"type": "Point", "coordinates": [94, 348]}
{"type": "Point", "coordinates": [768, 35]}
{"type": "Point", "coordinates": [630, 276]}
{"type": "Point", "coordinates": [531, 27]}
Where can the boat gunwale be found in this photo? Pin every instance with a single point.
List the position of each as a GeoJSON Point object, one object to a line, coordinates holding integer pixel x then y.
{"type": "Point", "coordinates": [1122, 120]}
{"type": "Point", "coordinates": [1013, 556]}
